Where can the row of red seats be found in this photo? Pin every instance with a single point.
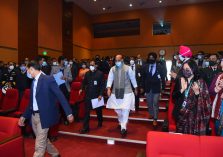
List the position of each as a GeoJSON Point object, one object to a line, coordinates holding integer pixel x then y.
{"type": "Point", "coordinates": [9, 103]}
{"type": "Point", "coordinates": [160, 144]}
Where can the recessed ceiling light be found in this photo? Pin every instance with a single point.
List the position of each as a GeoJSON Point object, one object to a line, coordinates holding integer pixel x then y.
{"type": "Point", "coordinates": [160, 1]}
{"type": "Point", "coordinates": [130, 4]}
{"type": "Point", "coordinates": [95, 0]}
{"type": "Point", "coordinates": [104, 8]}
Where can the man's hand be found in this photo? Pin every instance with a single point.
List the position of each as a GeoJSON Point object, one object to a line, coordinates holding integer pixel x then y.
{"type": "Point", "coordinates": [80, 91]}
{"type": "Point", "coordinates": [21, 121]}
{"type": "Point", "coordinates": [109, 92]}
{"type": "Point", "coordinates": [63, 78]}
{"type": "Point", "coordinates": [173, 75]}
{"type": "Point", "coordinates": [141, 90]}
{"type": "Point", "coordinates": [195, 88]}
{"type": "Point", "coordinates": [136, 91]}
{"type": "Point", "coordinates": [183, 85]}
{"type": "Point", "coordinates": [99, 97]}
{"type": "Point", "coordinates": [70, 118]}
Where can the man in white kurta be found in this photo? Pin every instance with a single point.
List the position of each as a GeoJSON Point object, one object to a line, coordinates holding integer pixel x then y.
{"type": "Point", "coordinates": [121, 96]}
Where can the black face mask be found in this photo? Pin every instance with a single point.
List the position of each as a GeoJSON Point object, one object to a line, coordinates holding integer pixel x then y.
{"type": "Point", "coordinates": [151, 61]}
{"type": "Point", "coordinates": [212, 63]}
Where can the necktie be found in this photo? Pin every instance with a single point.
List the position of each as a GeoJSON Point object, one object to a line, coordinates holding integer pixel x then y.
{"type": "Point", "coordinates": [151, 70]}
{"type": "Point", "coordinates": [132, 67]}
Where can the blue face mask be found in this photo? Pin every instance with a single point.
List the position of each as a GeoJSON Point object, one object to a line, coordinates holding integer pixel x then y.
{"type": "Point", "coordinates": [28, 75]}
{"type": "Point", "coordinates": [23, 68]}
{"type": "Point", "coordinates": [65, 63]}
{"type": "Point", "coordinates": [118, 63]}
{"type": "Point", "coordinates": [44, 63]}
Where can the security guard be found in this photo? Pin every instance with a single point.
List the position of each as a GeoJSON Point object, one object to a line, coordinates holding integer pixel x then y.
{"type": "Point", "coordinates": [93, 85]}
{"type": "Point", "coordinates": [9, 77]}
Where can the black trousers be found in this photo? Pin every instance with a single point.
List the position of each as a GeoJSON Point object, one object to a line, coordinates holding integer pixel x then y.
{"type": "Point", "coordinates": [88, 108]}
{"type": "Point", "coordinates": [137, 102]}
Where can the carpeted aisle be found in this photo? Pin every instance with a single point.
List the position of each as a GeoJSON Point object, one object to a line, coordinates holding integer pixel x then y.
{"type": "Point", "coordinates": [81, 147]}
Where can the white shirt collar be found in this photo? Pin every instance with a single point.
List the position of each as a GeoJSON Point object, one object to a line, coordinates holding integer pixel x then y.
{"type": "Point", "coordinates": [37, 76]}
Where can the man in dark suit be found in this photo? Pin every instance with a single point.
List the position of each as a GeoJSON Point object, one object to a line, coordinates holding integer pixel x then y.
{"type": "Point", "coordinates": [153, 80]}
{"type": "Point", "coordinates": [93, 85]}
{"type": "Point", "coordinates": [42, 109]}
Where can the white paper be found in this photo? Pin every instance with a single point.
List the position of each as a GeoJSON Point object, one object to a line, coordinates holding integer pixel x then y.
{"type": "Point", "coordinates": [58, 79]}
{"type": "Point", "coordinates": [95, 103]}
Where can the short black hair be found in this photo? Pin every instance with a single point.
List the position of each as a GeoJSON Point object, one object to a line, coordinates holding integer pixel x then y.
{"type": "Point", "coordinates": [61, 58]}
{"type": "Point", "coordinates": [34, 65]}
{"type": "Point", "coordinates": [152, 54]}
{"type": "Point", "coordinates": [39, 58]}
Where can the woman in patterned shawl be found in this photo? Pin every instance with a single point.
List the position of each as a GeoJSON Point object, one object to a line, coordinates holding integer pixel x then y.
{"type": "Point", "coordinates": [217, 107]}
{"type": "Point", "coordinates": [192, 101]}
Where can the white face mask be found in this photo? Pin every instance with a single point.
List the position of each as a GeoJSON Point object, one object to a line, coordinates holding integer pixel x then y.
{"type": "Point", "coordinates": [178, 65]}
{"type": "Point", "coordinates": [11, 67]}
{"type": "Point", "coordinates": [181, 58]}
{"type": "Point", "coordinates": [65, 63]}
{"type": "Point", "coordinates": [70, 63]}
{"type": "Point", "coordinates": [92, 68]}
{"type": "Point", "coordinates": [29, 75]}
{"type": "Point", "coordinates": [83, 66]}
{"type": "Point", "coordinates": [54, 63]}
{"type": "Point", "coordinates": [206, 64]}
{"type": "Point", "coordinates": [132, 62]}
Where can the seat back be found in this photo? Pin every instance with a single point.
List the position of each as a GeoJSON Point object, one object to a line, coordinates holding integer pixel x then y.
{"type": "Point", "coordinates": [161, 144]}
{"type": "Point", "coordinates": [10, 100]}
{"type": "Point", "coordinates": [74, 93]}
{"type": "Point", "coordinates": [24, 101]}
{"type": "Point", "coordinates": [9, 126]}
{"type": "Point", "coordinates": [211, 146]}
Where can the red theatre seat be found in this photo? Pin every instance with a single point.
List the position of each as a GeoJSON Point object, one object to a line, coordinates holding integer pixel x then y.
{"type": "Point", "coordinates": [172, 145]}
{"type": "Point", "coordinates": [78, 79]}
{"type": "Point", "coordinates": [211, 146]}
{"type": "Point", "coordinates": [160, 144]}
{"type": "Point", "coordinates": [23, 104]}
{"type": "Point", "coordinates": [76, 99]}
{"type": "Point", "coordinates": [10, 102]}
{"type": "Point", "coordinates": [11, 141]}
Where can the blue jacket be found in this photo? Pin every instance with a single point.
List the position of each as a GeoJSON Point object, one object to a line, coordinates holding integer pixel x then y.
{"type": "Point", "coordinates": [47, 94]}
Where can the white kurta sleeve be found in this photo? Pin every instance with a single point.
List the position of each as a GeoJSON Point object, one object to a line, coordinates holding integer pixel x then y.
{"type": "Point", "coordinates": [110, 78]}
{"type": "Point", "coordinates": [132, 77]}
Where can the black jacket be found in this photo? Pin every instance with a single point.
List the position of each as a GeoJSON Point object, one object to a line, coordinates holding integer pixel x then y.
{"type": "Point", "coordinates": [93, 84]}
{"type": "Point", "coordinates": [155, 82]}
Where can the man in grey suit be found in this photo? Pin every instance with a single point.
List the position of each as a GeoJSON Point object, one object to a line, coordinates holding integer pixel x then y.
{"type": "Point", "coordinates": [67, 76]}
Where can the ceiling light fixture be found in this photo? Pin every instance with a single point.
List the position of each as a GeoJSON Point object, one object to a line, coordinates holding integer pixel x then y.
{"type": "Point", "coordinates": [104, 8]}
{"type": "Point", "coordinates": [95, 0]}
{"type": "Point", "coordinates": [160, 2]}
{"type": "Point", "coordinates": [130, 4]}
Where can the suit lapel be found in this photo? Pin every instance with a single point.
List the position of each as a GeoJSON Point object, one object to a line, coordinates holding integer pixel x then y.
{"type": "Point", "coordinates": [39, 84]}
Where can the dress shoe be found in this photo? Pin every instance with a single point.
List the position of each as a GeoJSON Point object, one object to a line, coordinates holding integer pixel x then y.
{"type": "Point", "coordinates": [84, 131]}
{"type": "Point", "coordinates": [99, 125]}
{"type": "Point", "coordinates": [155, 124]}
{"type": "Point", "coordinates": [52, 138]}
{"type": "Point", "coordinates": [124, 133]}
